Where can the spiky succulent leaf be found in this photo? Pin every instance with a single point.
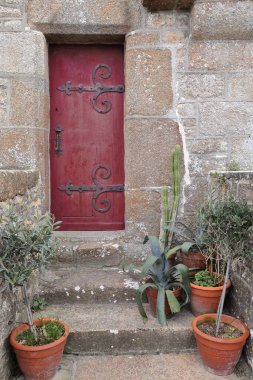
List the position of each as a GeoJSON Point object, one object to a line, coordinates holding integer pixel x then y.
{"type": "Point", "coordinates": [151, 260]}
{"type": "Point", "coordinates": [181, 273]}
{"type": "Point", "coordinates": [186, 297]}
{"type": "Point", "coordinates": [158, 271]}
{"type": "Point", "coordinates": [160, 306]}
{"type": "Point", "coordinates": [155, 246]}
{"type": "Point", "coordinates": [171, 251]}
{"type": "Point", "coordinates": [173, 302]}
{"type": "Point", "coordinates": [139, 297]}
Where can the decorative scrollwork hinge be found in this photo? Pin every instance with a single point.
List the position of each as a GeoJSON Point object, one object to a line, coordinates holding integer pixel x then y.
{"type": "Point", "coordinates": [98, 88]}
{"type": "Point", "coordinates": [97, 188]}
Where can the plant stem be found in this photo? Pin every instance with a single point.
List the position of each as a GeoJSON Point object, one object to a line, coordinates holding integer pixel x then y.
{"type": "Point", "coordinates": [28, 311]}
{"type": "Point", "coordinates": [222, 299]}
{"type": "Point", "coordinates": [165, 215]}
{"type": "Point", "coordinates": [176, 190]}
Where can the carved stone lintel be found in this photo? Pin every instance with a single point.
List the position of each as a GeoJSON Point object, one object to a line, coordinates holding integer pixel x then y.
{"type": "Point", "coordinates": [164, 5]}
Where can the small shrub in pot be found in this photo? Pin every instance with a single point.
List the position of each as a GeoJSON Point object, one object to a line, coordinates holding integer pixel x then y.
{"type": "Point", "coordinates": [226, 227]}
{"type": "Point", "coordinates": [25, 246]}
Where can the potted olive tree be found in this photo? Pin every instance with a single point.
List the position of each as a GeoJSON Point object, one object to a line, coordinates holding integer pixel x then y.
{"type": "Point", "coordinates": [226, 226]}
{"type": "Point", "coordinates": [25, 246]}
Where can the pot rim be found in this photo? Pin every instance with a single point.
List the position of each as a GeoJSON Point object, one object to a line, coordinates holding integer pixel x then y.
{"type": "Point", "coordinates": [210, 288]}
{"type": "Point", "coordinates": [219, 340]}
{"type": "Point", "coordinates": [24, 326]}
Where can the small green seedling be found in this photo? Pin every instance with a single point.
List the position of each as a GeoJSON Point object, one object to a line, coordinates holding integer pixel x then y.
{"type": "Point", "coordinates": [39, 303]}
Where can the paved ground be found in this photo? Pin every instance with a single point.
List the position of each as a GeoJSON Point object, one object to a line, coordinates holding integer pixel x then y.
{"type": "Point", "coordinates": [141, 367]}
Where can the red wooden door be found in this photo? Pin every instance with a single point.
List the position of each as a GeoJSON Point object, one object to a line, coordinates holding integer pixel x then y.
{"type": "Point", "coordinates": [86, 137]}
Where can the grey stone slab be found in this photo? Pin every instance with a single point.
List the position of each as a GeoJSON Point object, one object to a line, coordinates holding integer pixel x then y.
{"type": "Point", "coordinates": [119, 329]}
{"type": "Point", "coordinates": [89, 283]}
{"type": "Point", "coordinates": [84, 17]}
{"type": "Point", "coordinates": [78, 250]}
{"type": "Point", "coordinates": [187, 366]}
{"type": "Point", "coordinates": [89, 236]}
{"type": "Point", "coordinates": [184, 366]}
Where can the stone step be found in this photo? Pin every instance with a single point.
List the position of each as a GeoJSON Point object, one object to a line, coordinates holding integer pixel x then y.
{"type": "Point", "coordinates": [106, 246]}
{"type": "Point", "coordinates": [89, 236]}
{"type": "Point", "coordinates": [183, 366]}
{"type": "Point", "coordinates": [115, 329]}
{"type": "Point", "coordinates": [92, 282]}
{"type": "Point", "coordinates": [78, 251]}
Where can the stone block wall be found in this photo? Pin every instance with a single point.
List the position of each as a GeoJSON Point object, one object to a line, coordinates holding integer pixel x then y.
{"type": "Point", "coordinates": [21, 189]}
{"type": "Point", "coordinates": [24, 107]}
{"type": "Point", "coordinates": [152, 125]}
{"type": "Point", "coordinates": [214, 95]}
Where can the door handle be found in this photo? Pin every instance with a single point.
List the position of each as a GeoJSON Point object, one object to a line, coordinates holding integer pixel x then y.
{"type": "Point", "coordinates": [58, 140]}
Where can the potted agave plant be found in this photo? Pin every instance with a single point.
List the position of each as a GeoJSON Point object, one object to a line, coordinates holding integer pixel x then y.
{"type": "Point", "coordinates": [25, 246]}
{"type": "Point", "coordinates": [226, 226]}
{"type": "Point", "coordinates": [167, 288]}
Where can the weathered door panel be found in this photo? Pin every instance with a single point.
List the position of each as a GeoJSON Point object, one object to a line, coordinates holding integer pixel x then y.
{"type": "Point", "coordinates": [86, 138]}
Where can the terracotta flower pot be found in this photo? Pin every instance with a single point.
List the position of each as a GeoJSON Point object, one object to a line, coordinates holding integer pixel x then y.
{"type": "Point", "coordinates": [205, 299]}
{"type": "Point", "coordinates": [172, 260]}
{"type": "Point", "coordinates": [38, 362]}
{"type": "Point", "coordinates": [194, 260]}
{"type": "Point", "coordinates": [152, 300]}
{"type": "Point", "coordinates": [220, 355]}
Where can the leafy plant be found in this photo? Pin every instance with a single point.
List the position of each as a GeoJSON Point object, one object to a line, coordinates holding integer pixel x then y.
{"type": "Point", "coordinates": [39, 303]}
{"type": "Point", "coordinates": [226, 227]}
{"type": "Point", "coordinates": [205, 278]}
{"type": "Point", "coordinates": [164, 279]}
{"type": "Point", "coordinates": [25, 245]}
{"type": "Point", "coordinates": [234, 166]}
{"type": "Point", "coordinates": [47, 332]}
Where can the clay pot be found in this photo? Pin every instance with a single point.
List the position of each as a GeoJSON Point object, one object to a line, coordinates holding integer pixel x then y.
{"type": "Point", "coordinates": [152, 300]}
{"type": "Point", "coordinates": [194, 260]}
{"type": "Point", "coordinates": [220, 355]}
{"type": "Point", "coordinates": [205, 299]}
{"type": "Point", "coordinates": [38, 362]}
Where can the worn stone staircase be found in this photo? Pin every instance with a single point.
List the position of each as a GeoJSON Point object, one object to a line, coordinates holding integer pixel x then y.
{"type": "Point", "coordinates": [87, 288]}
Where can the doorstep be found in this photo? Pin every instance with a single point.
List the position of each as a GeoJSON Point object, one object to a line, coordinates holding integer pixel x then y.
{"type": "Point", "coordinates": [186, 366]}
